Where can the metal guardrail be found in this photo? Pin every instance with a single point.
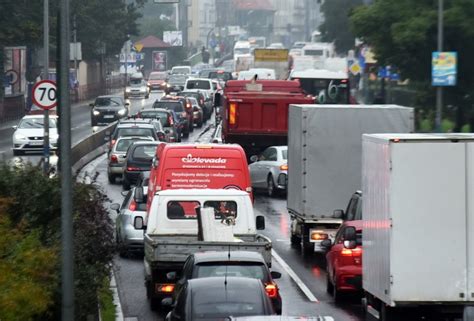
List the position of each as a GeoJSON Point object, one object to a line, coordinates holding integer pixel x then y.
{"type": "Point", "coordinates": [217, 136]}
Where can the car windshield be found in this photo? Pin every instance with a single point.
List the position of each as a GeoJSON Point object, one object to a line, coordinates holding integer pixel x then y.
{"type": "Point", "coordinates": [158, 76]}
{"type": "Point", "coordinates": [123, 144]}
{"type": "Point", "coordinates": [108, 101]}
{"type": "Point", "coordinates": [220, 75]}
{"type": "Point", "coordinates": [144, 152]}
{"type": "Point", "coordinates": [135, 82]}
{"type": "Point", "coordinates": [162, 115]}
{"type": "Point", "coordinates": [240, 269]}
{"type": "Point", "coordinates": [171, 105]}
{"type": "Point", "coordinates": [135, 131]}
{"type": "Point", "coordinates": [198, 84]}
{"type": "Point", "coordinates": [36, 123]}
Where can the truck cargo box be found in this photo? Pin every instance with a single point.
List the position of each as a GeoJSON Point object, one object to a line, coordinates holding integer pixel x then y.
{"type": "Point", "coordinates": [418, 217]}
{"type": "Point", "coordinates": [325, 152]}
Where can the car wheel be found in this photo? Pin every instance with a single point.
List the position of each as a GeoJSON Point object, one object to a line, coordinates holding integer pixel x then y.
{"type": "Point", "coordinates": [111, 178]}
{"type": "Point", "coordinates": [336, 294]}
{"type": "Point", "coordinates": [93, 123]}
{"type": "Point", "coordinates": [270, 186]}
{"type": "Point", "coordinates": [125, 184]}
{"type": "Point", "coordinates": [199, 125]}
{"type": "Point", "coordinates": [191, 128]}
{"type": "Point", "coordinates": [329, 285]}
{"type": "Point", "coordinates": [121, 248]}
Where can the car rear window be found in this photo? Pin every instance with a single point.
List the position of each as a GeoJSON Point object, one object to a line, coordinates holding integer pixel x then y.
{"type": "Point", "coordinates": [144, 152]}
{"type": "Point", "coordinates": [234, 303]}
{"type": "Point", "coordinates": [123, 144]}
{"type": "Point", "coordinates": [162, 115]}
{"type": "Point", "coordinates": [198, 84]}
{"type": "Point", "coordinates": [135, 131]}
{"type": "Point", "coordinates": [171, 105]}
{"type": "Point", "coordinates": [240, 269]}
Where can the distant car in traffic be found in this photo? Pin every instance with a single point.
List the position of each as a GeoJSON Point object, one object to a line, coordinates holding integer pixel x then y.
{"type": "Point", "coordinates": [157, 80]}
{"type": "Point", "coordinates": [344, 261]}
{"type": "Point", "coordinates": [137, 87]}
{"type": "Point", "coordinates": [128, 238]}
{"type": "Point", "coordinates": [269, 170]}
{"type": "Point", "coordinates": [107, 109]}
{"type": "Point", "coordinates": [118, 154]}
{"type": "Point", "coordinates": [138, 159]}
{"type": "Point", "coordinates": [234, 263]}
{"type": "Point", "coordinates": [133, 127]}
{"type": "Point", "coordinates": [29, 134]}
{"type": "Point", "coordinates": [168, 119]}
{"type": "Point", "coordinates": [204, 102]}
{"type": "Point", "coordinates": [198, 114]}
{"type": "Point", "coordinates": [217, 298]}
{"type": "Point", "coordinates": [179, 107]}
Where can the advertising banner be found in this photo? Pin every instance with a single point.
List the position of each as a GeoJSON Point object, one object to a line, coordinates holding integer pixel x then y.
{"type": "Point", "coordinates": [159, 61]}
{"type": "Point", "coordinates": [444, 68]}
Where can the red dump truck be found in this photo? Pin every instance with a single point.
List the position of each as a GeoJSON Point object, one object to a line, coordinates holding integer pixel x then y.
{"type": "Point", "coordinates": [255, 113]}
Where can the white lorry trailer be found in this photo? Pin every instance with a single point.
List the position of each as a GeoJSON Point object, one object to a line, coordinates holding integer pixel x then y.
{"type": "Point", "coordinates": [418, 234]}
{"type": "Point", "coordinates": [324, 162]}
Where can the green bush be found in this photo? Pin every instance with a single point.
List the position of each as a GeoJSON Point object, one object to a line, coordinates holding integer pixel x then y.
{"type": "Point", "coordinates": [34, 202]}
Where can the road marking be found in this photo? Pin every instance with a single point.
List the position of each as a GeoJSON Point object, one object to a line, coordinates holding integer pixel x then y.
{"type": "Point", "coordinates": [295, 277]}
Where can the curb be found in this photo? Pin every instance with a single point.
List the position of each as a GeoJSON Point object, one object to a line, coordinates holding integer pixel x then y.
{"type": "Point", "coordinates": [118, 305]}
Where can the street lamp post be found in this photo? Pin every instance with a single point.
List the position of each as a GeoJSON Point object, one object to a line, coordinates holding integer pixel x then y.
{"type": "Point", "coordinates": [439, 89]}
{"type": "Point", "coordinates": [46, 76]}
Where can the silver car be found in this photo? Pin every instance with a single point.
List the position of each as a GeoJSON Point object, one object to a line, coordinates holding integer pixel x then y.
{"type": "Point", "coordinates": [128, 238]}
{"type": "Point", "coordinates": [118, 154]}
{"type": "Point", "coordinates": [269, 170]}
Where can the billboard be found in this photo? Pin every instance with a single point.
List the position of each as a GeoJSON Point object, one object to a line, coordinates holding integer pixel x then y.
{"type": "Point", "coordinates": [444, 68]}
{"type": "Point", "coordinates": [271, 54]}
{"type": "Point", "coordinates": [159, 61]}
{"type": "Point", "coordinates": [174, 38]}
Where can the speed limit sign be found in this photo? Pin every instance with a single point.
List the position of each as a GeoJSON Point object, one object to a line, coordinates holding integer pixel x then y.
{"type": "Point", "coordinates": [44, 94]}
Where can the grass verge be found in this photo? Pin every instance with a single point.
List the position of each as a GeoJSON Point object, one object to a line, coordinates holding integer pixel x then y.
{"type": "Point", "coordinates": [106, 301]}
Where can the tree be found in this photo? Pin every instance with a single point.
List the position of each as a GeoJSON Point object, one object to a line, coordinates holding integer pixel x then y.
{"type": "Point", "coordinates": [403, 33]}
{"type": "Point", "coordinates": [336, 23]}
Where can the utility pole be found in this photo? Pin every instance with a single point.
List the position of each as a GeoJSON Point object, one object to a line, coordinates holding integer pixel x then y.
{"type": "Point", "coordinates": [439, 89]}
{"type": "Point", "coordinates": [67, 245]}
{"type": "Point", "coordinates": [46, 76]}
{"type": "Point", "coordinates": [74, 35]}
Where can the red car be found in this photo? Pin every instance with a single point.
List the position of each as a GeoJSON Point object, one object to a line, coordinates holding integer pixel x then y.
{"type": "Point", "coordinates": [157, 80]}
{"type": "Point", "coordinates": [344, 260]}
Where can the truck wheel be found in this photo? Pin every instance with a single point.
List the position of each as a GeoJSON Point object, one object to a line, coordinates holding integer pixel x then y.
{"type": "Point", "coordinates": [270, 186]}
{"type": "Point", "coordinates": [155, 304]}
{"type": "Point", "coordinates": [329, 285]}
{"type": "Point", "coordinates": [308, 247]}
{"type": "Point", "coordinates": [386, 313]}
{"type": "Point", "coordinates": [295, 240]}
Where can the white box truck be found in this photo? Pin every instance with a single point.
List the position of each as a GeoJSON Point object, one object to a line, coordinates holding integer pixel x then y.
{"type": "Point", "coordinates": [418, 234]}
{"type": "Point", "coordinates": [324, 162]}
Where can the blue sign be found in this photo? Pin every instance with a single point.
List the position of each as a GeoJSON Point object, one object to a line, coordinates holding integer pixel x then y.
{"type": "Point", "coordinates": [444, 68]}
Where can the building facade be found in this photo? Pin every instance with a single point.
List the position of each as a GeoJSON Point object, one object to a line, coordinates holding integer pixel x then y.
{"type": "Point", "coordinates": [201, 21]}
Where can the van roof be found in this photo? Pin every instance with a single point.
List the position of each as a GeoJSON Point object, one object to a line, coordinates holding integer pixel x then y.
{"type": "Point", "coordinates": [319, 74]}
{"type": "Point", "coordinates": [202, 192]}
{"type": "Point", "coordinates": [204, 146]}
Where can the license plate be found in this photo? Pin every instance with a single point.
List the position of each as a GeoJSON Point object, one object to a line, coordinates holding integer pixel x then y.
{"type": "Point", "coordinates": [108, 116]}
{"type": "Point", "coordinates": [36, 143]}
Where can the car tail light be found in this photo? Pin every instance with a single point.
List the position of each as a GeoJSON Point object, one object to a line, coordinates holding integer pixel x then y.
{"type": "Point", "coordinates": [232, 113]}
{"type": "Point", "coordinates": [351, 252]}
{"type": "Point", "coordinates": [319, 236]}
{"type": "Point", "coordinates": [112, 143]}
{"type": "Point", "coordinates": [170, 120]}
{"type": "Point", "coordinates": [164, 288]}
{"type": "Point", "coordinates": [133, 169]}
{"type": "Point", "coordinates": [188, 105]}
{"type": "Point", "coordinates": [161, 137]}
{"type": "Point", "coordinates": [113, 158]}
{"type": "Point", "coordinates": [183, 114]}
{"type": "Point", "coordinates": [284, 167]}
{"type": "Point", "coordinates": [133, 205]}
{"type": "Point", "coordinates": [202, 102]}
{"type": "Point", "coordinates": [272, 290]}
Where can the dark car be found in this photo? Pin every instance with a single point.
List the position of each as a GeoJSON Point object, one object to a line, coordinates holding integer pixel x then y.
{"type": "Point", "coordinates": [217, 298]}
{"type": "Point", "coordinates": [354, 208]}
{"type": "Point", "coordinates": [168, 121]}
{"type": "Point", "coordinates": [138, 159]}
{"type": "Point", "coordinates": [205, 104]}
{"type": "Point", "coordinates": [107, 109]}
{"type": "Point", "coordinates": [133, 127]}
{"type": "Point", "coordinates": [235, 263]}
{"type": "Point", "coordinates": [179, 107]}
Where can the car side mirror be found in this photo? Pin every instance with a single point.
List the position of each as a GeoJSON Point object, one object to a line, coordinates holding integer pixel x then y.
{"type": "Point", "coordinates": [326, 244]}
{"type": "Point", "coordinates": [275, 274]}
{"type": "Point", "coordinates": [127, 104]}
{"type": "Point", "coordinates": [124, 193]}
{"type": "Point", "coordinates": [138, 196]}
{"type": "Point", "coordinates": [260, 222]}
{"type": "Point", "coordinates": [350, 233]}
{"type": "Point", "coordinates": [350, 244]}
{"type": "Point", "coordinates": [171, 276]}
{"type": "Point", "coordinates": [115, 207]}
{"type": "Point", "coordinates": [138, 223]}
{"type": "Point", "coordinates": [338, 214]}
{"type": "Point", "coordinates": [92, 105]}
{"type": "Point", "coordinates": [254, 158]}
{"type": "Point", "coordinates": [15, 127]}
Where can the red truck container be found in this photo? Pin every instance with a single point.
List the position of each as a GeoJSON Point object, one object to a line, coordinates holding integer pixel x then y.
{"type": "Point", "coordinates": [255, 114]}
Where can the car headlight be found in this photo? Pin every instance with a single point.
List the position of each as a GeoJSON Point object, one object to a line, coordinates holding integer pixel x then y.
{"type": "Point", "coordinates": [143, 89]}
{"type": "Point", "coordinates": [96, 113]}
{"type": "Point", "coordinates": [20, 137]}
{"type": "Point", "coordinates": [122, 112]}
{"type": "Point", "coordinates": [127, 90]}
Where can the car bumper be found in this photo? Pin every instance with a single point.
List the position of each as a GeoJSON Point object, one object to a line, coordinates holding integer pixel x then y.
{"type": "Point", "coordinates": [282, 181]}
{"type": "Point", "coordinates": [33, 145]}
{"type": "Point", "coordinates": [115, 169]}
{"type": "Point", "coordinates": [349, 278]}
{"type": "Point", "coordinates": [132, 177]}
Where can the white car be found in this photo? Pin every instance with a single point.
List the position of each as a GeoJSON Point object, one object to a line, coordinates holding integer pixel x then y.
{"type": "Point", "coordinates": [29, 134]}
{"type": "Point", "coordinates": [269, 170]}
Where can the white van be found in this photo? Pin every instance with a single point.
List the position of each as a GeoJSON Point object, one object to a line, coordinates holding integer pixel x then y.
{"type": "Point", "coordinates": [262, 73]}
{"type": "Point", "coordinates": [241, 48]}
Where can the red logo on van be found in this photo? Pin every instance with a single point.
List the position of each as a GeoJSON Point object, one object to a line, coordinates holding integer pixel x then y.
{"type": "Point", "coordinates": [199, 160]}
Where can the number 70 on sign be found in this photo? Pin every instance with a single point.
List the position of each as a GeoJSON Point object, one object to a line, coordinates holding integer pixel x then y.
{"type": "Point", "coordinates": [44, 94]}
